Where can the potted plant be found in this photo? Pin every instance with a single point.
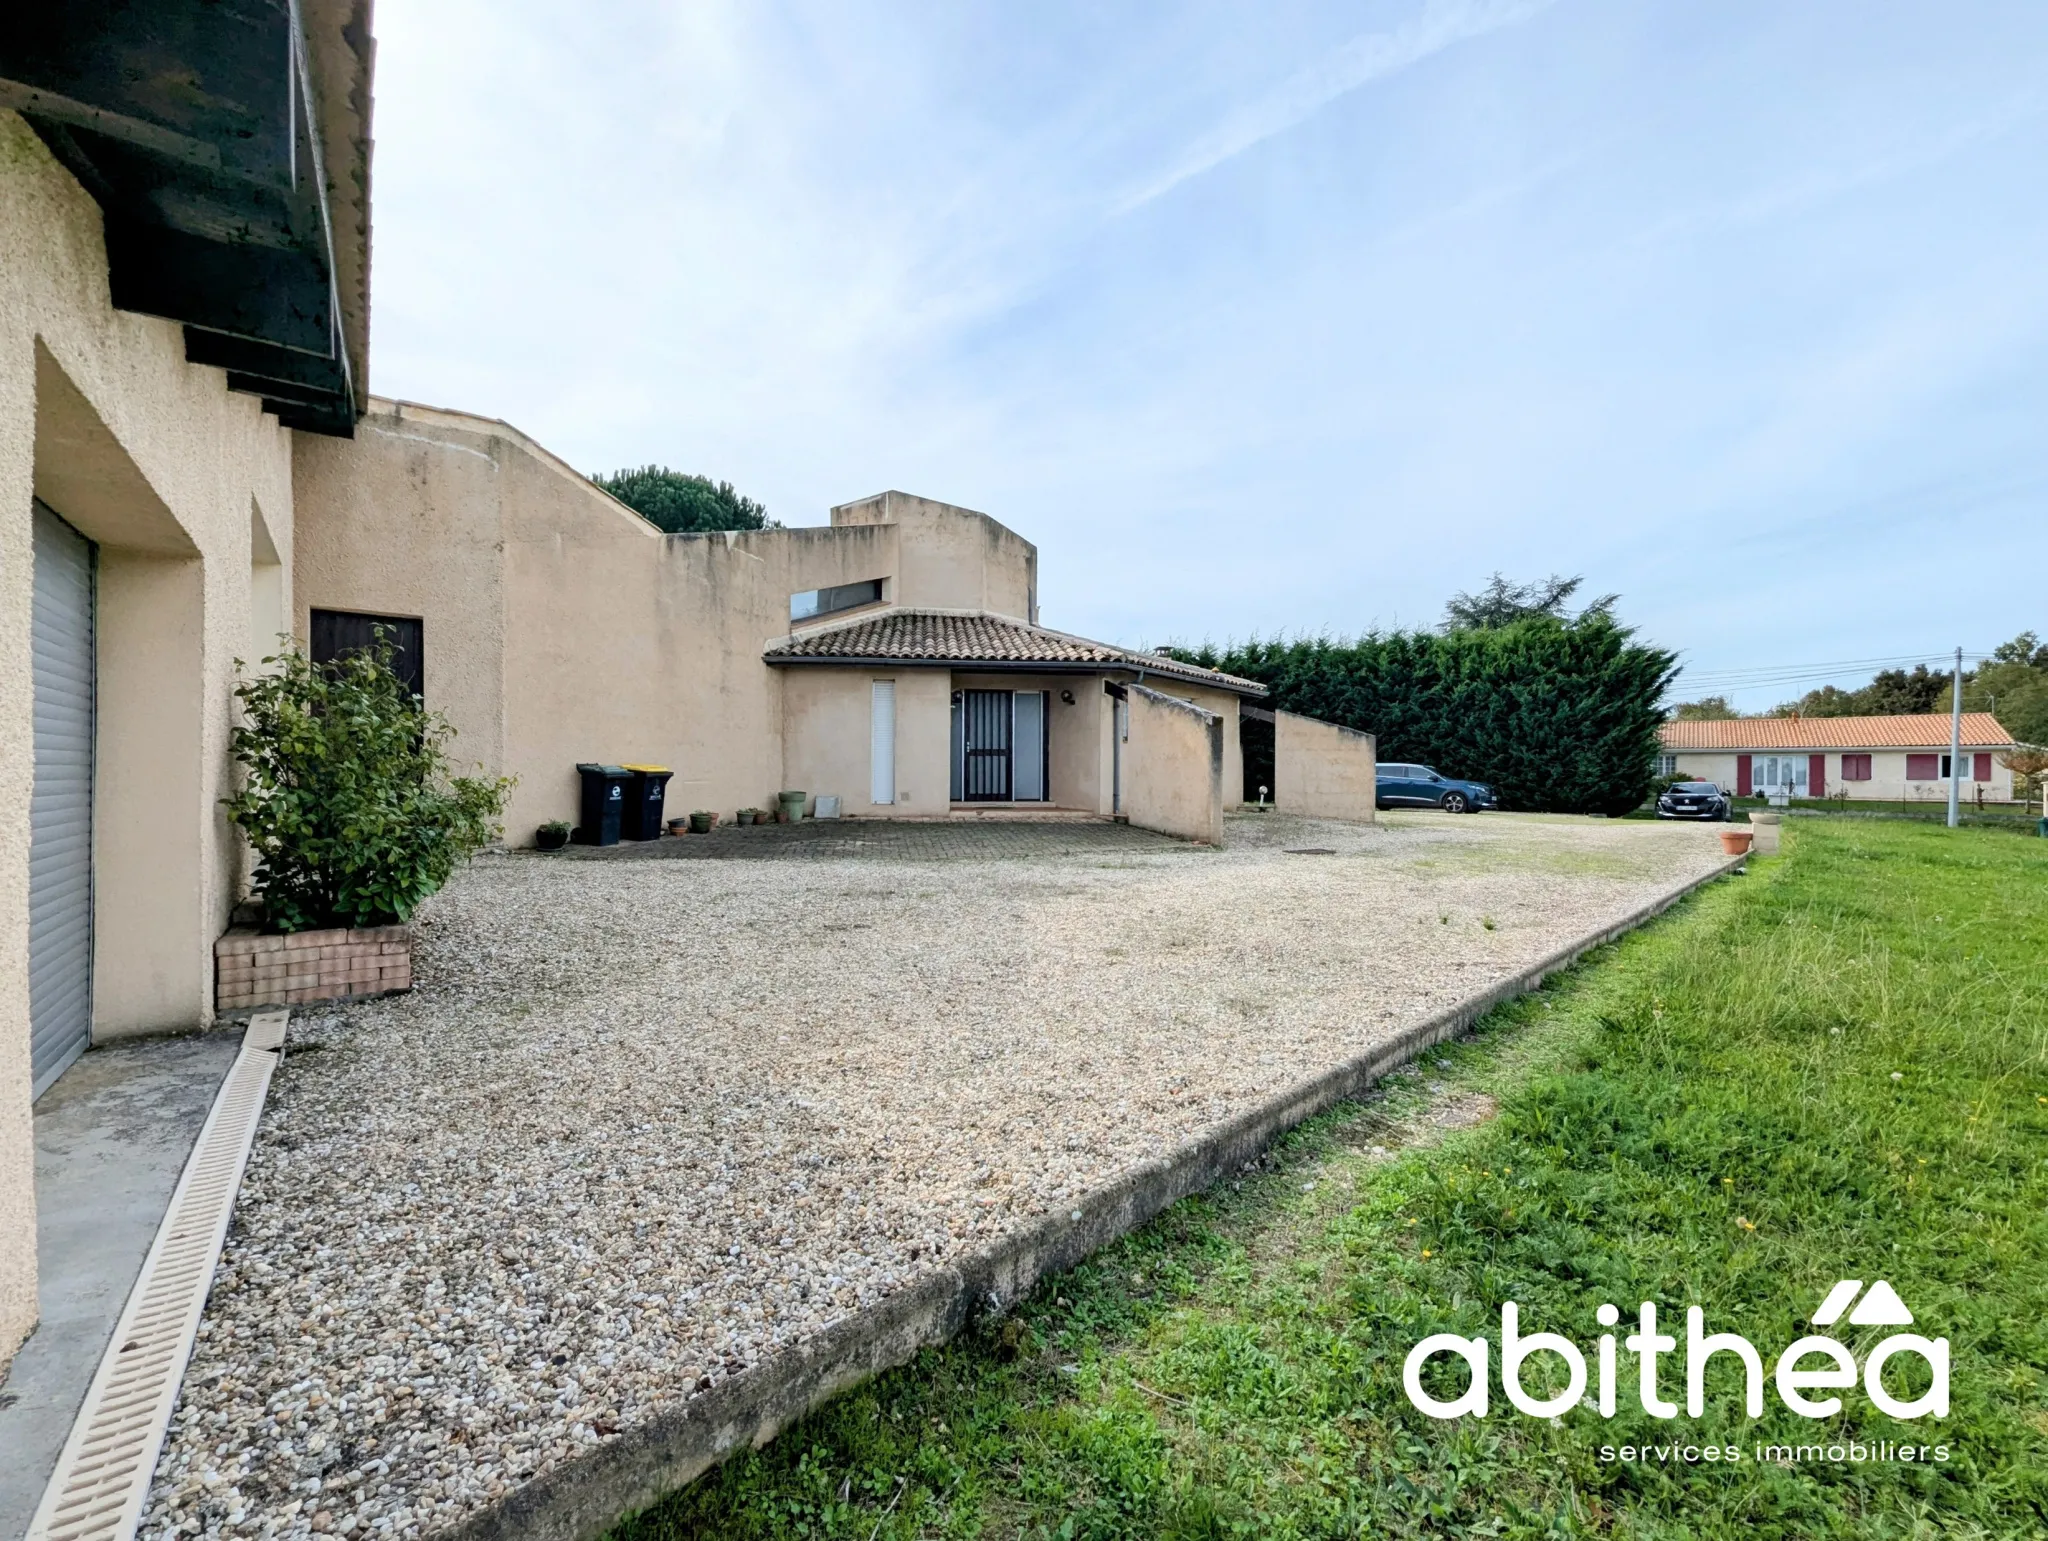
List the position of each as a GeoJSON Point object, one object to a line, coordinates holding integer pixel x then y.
{"type": "Point", "coordinates": [354, 817]}
{"type": "Point", "coordinates": [679, 826]}
{"type": "Point", "coordinates": [701, 821]}
{"type": "Point", "coordinates": [551, 836]}
{"type": "Point", "coordinates": [746, 815]}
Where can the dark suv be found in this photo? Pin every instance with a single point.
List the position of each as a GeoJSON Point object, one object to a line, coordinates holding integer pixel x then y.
{"type": "Point", "coordinates": [1417, 786]}
{"type": "Point", "coordinates": [1692, 800]}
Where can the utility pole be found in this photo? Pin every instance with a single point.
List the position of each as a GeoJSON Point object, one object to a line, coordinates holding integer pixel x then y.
{"type": "Point", "coordinates": [1955, 749]}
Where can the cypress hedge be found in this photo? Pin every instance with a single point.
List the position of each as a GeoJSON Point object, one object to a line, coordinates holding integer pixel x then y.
{"type": "Point", "coordinates": [1555, 715]}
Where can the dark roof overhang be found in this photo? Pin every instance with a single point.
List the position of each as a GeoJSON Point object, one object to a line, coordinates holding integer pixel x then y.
{"type": "Point", "coordinates": [227, 143]}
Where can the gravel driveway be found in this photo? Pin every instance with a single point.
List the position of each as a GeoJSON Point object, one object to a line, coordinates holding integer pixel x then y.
{"type": "Point", "coordinates": [645, 1121]}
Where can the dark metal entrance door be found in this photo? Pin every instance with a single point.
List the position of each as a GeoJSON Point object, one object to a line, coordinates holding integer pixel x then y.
{"type": "Point", "coordinates": [987, 777]}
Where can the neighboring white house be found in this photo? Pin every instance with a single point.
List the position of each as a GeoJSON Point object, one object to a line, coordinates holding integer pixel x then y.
{"type": "Point", "coordinates": [1893, 759]}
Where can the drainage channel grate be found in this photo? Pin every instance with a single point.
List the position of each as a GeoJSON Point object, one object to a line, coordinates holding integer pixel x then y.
{"type": "Point", "coordinates": [102, 1478]}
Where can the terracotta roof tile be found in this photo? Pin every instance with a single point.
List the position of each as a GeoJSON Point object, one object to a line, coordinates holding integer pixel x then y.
{"type": "Point", "coordinates": [937, 636]}
{"type": "Point", "coordinates": [1930, 731]}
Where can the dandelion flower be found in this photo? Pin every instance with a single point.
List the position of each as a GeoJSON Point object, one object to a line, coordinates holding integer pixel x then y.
{"type": "Point", "coordinates": [1898, 1075]}
{"type": "Point", "coordinates": [1427, 1253]}
{"type": "Point", "coordinates": [1744, 1224]}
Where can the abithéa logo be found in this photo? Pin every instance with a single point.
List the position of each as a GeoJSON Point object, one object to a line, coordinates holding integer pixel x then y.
{"type": "Point", "coordinates": [1814, 1363]}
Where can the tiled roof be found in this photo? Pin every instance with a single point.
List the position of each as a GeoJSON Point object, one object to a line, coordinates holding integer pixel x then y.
{"type": "Point", "coordinates": [1929, 731]}
{"type": "Point", "coordinates": [942, 637]}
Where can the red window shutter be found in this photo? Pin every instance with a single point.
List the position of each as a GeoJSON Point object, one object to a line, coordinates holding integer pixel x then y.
{"type": "Point", "coordinates": [1816, 775]}
{"type": "Point", "coordinates": [1742, 783]}
{"type": "Point", "coordinates": [1855, 767]}
{"type": "Point", "coordinates": [1982, 769]}
{"type": "Point", "coordinates": [1923, 767]}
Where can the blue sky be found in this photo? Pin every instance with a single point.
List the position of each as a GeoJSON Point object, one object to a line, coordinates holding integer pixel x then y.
{"type": "Point", "coordinates": [1277, 318]}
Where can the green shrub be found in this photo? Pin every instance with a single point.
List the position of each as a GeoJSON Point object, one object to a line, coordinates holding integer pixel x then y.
{"type": "Point", "coordinates": [347, 799]}
{"type": "Point", "coordinates": [1555, 715]}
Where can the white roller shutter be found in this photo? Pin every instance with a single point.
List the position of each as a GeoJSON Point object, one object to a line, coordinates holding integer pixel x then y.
{"type": "Point", "coordinates": [882, 744]}
{"type": "Point", "coordinates": [1027, 748]}
{"type": "Point", "coordinates": [60, 808]}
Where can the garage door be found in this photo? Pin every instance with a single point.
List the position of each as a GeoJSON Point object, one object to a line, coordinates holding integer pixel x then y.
{"type": "Point", "coordinates": [60, 808]}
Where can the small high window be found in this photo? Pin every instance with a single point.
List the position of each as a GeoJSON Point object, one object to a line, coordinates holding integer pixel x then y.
{"type": "Point", "coordinates": [812, 603]}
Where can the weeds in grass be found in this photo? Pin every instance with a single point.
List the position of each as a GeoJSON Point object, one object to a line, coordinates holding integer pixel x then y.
{"type": "Point", "coordinates": [1836, 1067]}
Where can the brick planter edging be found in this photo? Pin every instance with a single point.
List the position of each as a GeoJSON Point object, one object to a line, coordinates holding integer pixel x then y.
{"type": "Point", "coordinates": [589, 1494]}
{"type": "Point", "coordinates": [253, 969]}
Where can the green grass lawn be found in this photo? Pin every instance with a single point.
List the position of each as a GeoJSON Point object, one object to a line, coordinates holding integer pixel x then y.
{"type": "Point", "coordinates": [1834, 1067]}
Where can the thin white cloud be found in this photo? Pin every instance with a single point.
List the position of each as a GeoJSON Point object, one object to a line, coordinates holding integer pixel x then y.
{"type": "Point", "coordinates": [1368, 57]}
{"type": "Point", "coordinates": [1796, 194]}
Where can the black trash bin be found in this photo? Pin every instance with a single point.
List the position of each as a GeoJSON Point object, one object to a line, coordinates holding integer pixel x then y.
{"type": "Point", "coordinates": [604, 800]}
{"type": "Point", "coordinates": [645, 794]}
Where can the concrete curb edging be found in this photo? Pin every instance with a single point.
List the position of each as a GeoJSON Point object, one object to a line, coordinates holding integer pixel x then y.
{"type": "Point", "coordinates": [589, 1494]}
{"type": "Point", "coordinates": [101, 1481]}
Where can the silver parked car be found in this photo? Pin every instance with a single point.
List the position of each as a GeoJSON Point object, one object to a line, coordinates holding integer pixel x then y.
{"type": "Point", "coordinates": [1692, 800]}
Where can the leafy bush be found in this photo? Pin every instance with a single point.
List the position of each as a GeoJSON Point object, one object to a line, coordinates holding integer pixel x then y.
{"type": "Point", "coordinates": [1552, 714]}
{"type": "Point", "coordinates": [347, 799]}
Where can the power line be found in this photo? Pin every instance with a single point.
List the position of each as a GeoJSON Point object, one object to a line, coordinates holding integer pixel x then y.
{"type": "Point", "coordinates": [1797, 674]}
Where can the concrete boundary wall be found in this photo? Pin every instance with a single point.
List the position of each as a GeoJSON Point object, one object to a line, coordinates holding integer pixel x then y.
{"type": "Point", "coordinates": [1173, 766]}
{"type": "Point", "coordinates": [588, 1495]}
{"type": "Point", "coordinates": [1322, 770]}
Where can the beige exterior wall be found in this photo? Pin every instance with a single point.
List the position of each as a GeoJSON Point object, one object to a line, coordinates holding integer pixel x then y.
{"type": "Point", "coordinates": [1223, 704]}
{"type": "Point", "coordinates": [1173, 765]}
{"type": "Point", "coordinates": [1717, 768]}
{"type": "Point", "coordinates": [1887, 783]}
{"type": "Point", "coordinates": [153, 458]}
{"type": "Point", "coordinates": [1322, 770]}
{"type": "Point", "coordinates": [558, 626]}
{"type": "Point", "coordinates": [952, 558]}
{"type": "Point", "coordinates": [828, 738]}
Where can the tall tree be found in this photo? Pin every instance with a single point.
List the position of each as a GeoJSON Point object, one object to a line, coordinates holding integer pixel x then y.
{"type": "Point", "coordinates": [682, 504]}
{"type": "Point", "coordinates": [1892, 693]}
{"type": "Point", "coordinates": [1502, 603]}
{"type": "Point", "coordinates": [1553, 714]}
{"type": "Point", "coordinates": [2013, 685]}
{"type": "Point", "coordinates": [1705, 709]}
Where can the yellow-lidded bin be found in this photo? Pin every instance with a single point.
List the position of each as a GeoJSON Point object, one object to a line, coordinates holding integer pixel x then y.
{"type": "Point", "coordinates": [646, 791]}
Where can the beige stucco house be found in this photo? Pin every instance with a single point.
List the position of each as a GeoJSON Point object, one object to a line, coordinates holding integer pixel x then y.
{"type": "Point", "coordinates": [890, 658]}
{"type": "Point", "coordinates": [184, 258]}
{"type": "Point", "coordinates": [190, 467]}
{"type": "Point", "coordinates": [1891, 759]}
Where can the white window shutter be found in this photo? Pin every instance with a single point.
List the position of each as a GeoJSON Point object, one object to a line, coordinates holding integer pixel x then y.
{"type": "Point", "coordinates": [882, 744]}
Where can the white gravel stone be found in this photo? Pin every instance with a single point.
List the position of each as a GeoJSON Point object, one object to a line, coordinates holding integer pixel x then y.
{"type": "Point", "coordinates": [644, 1123]}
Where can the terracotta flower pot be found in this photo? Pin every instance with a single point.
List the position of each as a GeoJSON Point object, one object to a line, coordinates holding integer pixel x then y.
{"type": "Point", "coordinates": [1735, 842]}
{"type": "Point", "coordinates": [679, 826]}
